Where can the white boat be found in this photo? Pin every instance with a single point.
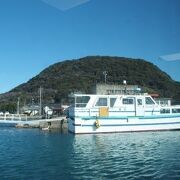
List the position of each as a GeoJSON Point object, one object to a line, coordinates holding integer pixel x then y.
{"type": "Point", "coordinates": [120, 113]}
{"type": "Point", "coordinates": [46, 128]}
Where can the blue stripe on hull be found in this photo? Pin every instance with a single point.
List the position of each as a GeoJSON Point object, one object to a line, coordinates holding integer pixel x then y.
{"type": "Point", "coordinates": [152, 130]}
{"type": "Point", "coordinates": [129, 117]}
{"type": "Point", "coordinates": [147, 124]}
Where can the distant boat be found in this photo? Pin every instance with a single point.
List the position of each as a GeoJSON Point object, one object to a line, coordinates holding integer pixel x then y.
{"type": "Point", "coordinates": [120, 113]}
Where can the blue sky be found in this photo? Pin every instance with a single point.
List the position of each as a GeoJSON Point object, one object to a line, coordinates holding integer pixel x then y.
{"type": "Point", "coordinates": [37, 33]}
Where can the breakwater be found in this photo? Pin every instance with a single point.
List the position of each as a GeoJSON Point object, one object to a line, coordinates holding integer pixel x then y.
{"type": "Point", "coordinates": [56, 123]}
{"type": "Point", "coordinates": [36, 122]}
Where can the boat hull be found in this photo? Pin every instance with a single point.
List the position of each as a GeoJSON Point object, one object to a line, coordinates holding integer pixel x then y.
{"type": "Point", "coordinates": [127, 124]}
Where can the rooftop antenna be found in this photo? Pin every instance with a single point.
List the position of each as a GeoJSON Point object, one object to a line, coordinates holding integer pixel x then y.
{"type": "Point", "coordinates": [105, 76]}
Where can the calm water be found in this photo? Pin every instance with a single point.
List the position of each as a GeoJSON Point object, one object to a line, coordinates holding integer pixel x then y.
{"type": "Point", "coordinates": [34, 154]}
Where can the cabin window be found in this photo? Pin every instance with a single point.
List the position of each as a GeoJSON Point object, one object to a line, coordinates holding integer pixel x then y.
{"type": "Point", "coordinates": [128, 101]}
{"type": "Point", "coordinates": [175, 110]}
{"type": "Point", "coordinates": [81, 101]}
{"type": "Point", "coordinates": [139, 101]}
{"type": "Point", "coordinates": [149, 101]}
{"type": "Point", "coordinates": [165, 111]}
{"type": "Point", "coordinates": [102, 102]}
{"type": "Point", "coordinates": [112, 101]}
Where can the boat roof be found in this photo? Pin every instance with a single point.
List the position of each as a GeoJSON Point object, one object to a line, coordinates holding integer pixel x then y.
{"type": "Point", "coordinates": [130, 95]}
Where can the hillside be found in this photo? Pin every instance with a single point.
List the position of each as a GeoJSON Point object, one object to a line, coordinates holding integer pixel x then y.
{"type": "Point", "coordinates": [63, 78]}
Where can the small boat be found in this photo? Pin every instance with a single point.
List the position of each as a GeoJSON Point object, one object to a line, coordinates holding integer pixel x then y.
{"type": "Point", "coordinates": [46, 128]}
{"type": "Point", "coordinates": [93, 113]}
{"type": "Point", "coordinates": [19, 125]}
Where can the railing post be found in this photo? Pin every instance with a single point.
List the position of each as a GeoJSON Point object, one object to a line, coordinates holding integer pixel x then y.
{"type": "Point", "coordinates": [19, 117]}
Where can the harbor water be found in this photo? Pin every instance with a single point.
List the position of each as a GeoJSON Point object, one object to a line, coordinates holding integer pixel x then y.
{"type": "Point", "coordinates": [35, 154]}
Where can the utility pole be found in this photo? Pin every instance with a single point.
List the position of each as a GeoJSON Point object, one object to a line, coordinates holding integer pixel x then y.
{"type": "Point", "coordinates": [125, 84]}
{"type": "Point", "coordinates": [105, 76]}
{"type": "Point", "coordinates": [40, 101]}
{"type": "Point", "coordinates": [18, 106]}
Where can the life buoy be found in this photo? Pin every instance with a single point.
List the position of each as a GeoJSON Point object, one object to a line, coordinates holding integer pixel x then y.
{"type": "Point", "coordinates": [97, 124]}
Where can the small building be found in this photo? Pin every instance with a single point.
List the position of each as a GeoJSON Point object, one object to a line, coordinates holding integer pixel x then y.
{"type": "Point", "coordinates": [115, 89]}
{"type": "Point", "coordinates": [32, 110]}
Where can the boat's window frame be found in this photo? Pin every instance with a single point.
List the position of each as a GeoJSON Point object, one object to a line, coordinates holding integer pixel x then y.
{"type": "Point", "coordinates": [103, 105]}
{"type": "Point", "coordinates": [175, 110]}
{"type": "Point", "coordinates": [112, 103]}
{"type": "Point", "coordinates": [128, 101]}
{"type": "Point", "coordinates": [139, 102]}
{"type": "Point", "coordinates": [165, 111]}
{"type": "Point", "coordinates": [83, 103]}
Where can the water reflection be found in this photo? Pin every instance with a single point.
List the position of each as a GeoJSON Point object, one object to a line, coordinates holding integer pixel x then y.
{"type": "Point", "coordinates": [34, 154]}
{"type": "Point", "coordinates": [129, 155]}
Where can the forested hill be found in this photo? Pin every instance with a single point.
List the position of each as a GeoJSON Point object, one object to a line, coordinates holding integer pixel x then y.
{"type": "Point", "coordinates": [63, 78]}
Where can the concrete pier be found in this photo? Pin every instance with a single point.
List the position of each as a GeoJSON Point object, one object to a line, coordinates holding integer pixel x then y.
{"type": "Point", "coordinates": [54, 123]}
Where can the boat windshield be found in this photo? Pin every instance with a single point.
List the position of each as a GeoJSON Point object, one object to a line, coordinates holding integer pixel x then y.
{"type": "Point", "coordinates": [149, 101]}
{"type": "Point", "coordinates": [81, 101]}
{"type": "Point", "coordinates": [102, 101]}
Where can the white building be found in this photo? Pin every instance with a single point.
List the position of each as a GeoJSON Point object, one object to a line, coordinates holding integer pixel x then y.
{"type": "Point", "coordinates": [115, 89]}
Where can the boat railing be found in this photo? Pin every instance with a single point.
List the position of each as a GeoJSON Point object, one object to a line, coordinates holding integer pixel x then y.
{"type": "Point", "coordinates": [14, 117]}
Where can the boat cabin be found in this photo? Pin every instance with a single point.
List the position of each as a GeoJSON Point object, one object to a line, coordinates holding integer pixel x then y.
{"type": "Point", "coordinates": [118, 105]}
{"type": "Point", "coordinates": [115, 105]}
